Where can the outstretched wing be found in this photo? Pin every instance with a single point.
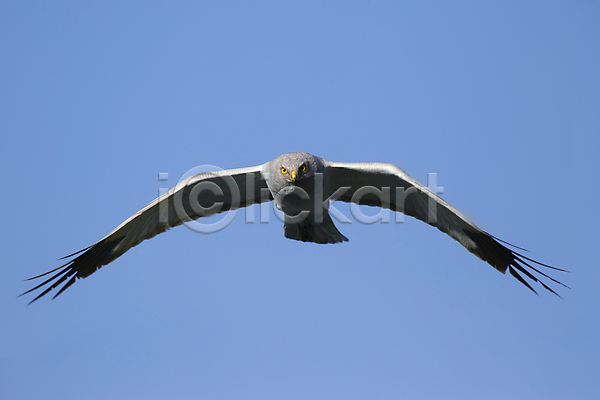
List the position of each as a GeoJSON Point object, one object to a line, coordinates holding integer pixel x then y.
{"type": "Point", "coordinates": [386, 185]}
{"type": "Point", "coordinates": [198, 196]}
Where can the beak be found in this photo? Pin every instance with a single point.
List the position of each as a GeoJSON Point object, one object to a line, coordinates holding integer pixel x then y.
{"type": "Point", "coordinates": [294, 175]}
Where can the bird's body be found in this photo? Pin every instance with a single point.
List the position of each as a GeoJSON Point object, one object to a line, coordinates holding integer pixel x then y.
{"type": "Point", "coordinates": [302, 186]}
{"type": "Point", "coordinates": [302, 198]}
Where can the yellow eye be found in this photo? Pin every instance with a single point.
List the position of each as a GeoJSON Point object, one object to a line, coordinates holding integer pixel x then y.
{"type": "Point", "coordinates": [283, 170]}
{"type": "Point", "coordinates": [303, 168]}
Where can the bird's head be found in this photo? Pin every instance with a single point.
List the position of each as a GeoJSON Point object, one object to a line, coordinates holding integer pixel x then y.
{"type": "Point", "coordinates": [295, 169]}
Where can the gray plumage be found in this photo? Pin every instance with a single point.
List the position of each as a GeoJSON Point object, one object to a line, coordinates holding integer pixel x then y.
{"type": "Point", "coordinates": [302, 186]}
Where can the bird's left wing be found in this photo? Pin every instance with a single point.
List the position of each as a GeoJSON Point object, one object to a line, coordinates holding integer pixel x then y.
{"type": "Point", "coordinates": [198, 196]}
{"type": "Point", "coordinates": [386, 185]}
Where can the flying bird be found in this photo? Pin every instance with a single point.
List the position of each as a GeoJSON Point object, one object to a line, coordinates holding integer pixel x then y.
{"type": "Point", "coordinates": [302, 186]}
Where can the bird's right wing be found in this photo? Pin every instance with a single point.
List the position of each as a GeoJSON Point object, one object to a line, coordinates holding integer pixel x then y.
{"type": "Point", "coordinates": [198, 196]}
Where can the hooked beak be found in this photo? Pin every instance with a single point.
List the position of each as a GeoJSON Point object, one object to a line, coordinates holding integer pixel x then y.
{"type": "Point", "coordinates": [294, 175]}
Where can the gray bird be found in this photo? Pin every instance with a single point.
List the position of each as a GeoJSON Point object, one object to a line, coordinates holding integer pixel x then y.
{"type": "Point", "coordinates": [302, 186]}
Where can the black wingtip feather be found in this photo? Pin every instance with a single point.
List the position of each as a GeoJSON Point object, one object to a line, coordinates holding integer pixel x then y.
{"type": "Point", "coordinates": [77, 252]}
{"type": "Point", "coordinates": [545, 265]}
{"type": "Point", "coordinates": [521, 279]}
{"type": "Point", "coordinates": [62, 289]}
{"type": "Point", "coordinates": [510, 244]}
{"type": "Point", "coordinates": [46, 273]}
{"type": "Point", "coordinates": [548, 288]}
{"type": "Point", "coordinates": [524, 271]}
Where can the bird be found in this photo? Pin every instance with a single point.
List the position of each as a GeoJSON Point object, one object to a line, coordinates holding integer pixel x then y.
{"type": "Point", "coordinates": [303, 186]}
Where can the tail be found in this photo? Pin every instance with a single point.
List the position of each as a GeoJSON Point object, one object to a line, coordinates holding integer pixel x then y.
{"type": "Point", "coordinates": [310, 231]}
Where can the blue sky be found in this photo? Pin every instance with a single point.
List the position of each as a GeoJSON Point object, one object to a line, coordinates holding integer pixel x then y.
{"type": "Point", "coordinates": [500, 99]}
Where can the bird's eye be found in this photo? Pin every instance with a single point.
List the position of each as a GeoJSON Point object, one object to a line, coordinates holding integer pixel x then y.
{"type": "Point", "coordinates": [283, 170]}
{"type": "Point", "coordinates": [303, 168]}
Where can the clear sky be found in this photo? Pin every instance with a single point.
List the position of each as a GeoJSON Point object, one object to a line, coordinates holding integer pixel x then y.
{"type": "Point", "coordinates": [500, 99]}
